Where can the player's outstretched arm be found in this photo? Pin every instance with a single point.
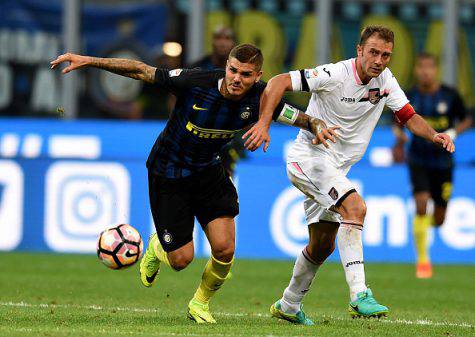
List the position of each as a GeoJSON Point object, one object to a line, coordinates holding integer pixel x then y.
{"type": "Point", "coordinates": [292, 116]}
{"type": "Point", "coordinates": [270, 98]}
{"type": "Point", "coordinates": [129, 68]}
{"type": "Point", "coordinates": [419, 127]}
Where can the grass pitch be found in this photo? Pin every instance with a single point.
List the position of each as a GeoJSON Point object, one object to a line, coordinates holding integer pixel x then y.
{"type": "Point", "coordinates": [74, 295]}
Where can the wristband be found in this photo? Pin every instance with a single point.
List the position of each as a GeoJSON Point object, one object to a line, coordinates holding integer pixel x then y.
{"type": "Point", "coordinates": [288, 115]}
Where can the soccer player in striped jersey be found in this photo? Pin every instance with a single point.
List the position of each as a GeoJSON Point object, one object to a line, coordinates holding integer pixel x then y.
{"type": "Point", "coordinates": [351, 94]}
{"type": "Point", "coordinates": [430, 167]}
{"type": "Point", "coordinates": [185, 175]}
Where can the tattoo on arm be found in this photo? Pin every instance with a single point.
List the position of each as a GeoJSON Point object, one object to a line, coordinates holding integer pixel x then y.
{"type": "Point", "coordinates": [309, 123]}
{"type": "Point", "coordinates": [129, 68]}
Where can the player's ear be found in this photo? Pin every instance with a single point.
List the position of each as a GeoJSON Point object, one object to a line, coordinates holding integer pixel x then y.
{"type": "Point", "coordinates": [359, 50]}
{"type": "Point", "coordinates": [259, 75]}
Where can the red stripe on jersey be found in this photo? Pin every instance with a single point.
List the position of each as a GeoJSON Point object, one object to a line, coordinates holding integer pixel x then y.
{"type": "Point", "coordinates": [403, 115]}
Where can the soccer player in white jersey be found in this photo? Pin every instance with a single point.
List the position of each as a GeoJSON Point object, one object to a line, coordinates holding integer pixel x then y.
{"type": "Point", "coordinates": [350, 94]}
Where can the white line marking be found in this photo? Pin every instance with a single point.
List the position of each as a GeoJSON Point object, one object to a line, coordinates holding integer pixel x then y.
{"type": "Point", "coordinates": [226, 314]}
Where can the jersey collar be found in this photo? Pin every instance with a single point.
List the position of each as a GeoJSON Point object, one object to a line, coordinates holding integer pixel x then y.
{"type": "Point", "coordinates": [355, 73]}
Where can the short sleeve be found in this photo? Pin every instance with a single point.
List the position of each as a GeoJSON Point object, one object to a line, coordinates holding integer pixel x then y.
{"type": "Point", "coordinates": [396, 97]}
{"type": "Point", "coordinates": [457, 108]}
{"type": "Point", "coordinates": [177, 80]}
{"type": "Point", "coordinates": [321, 78]}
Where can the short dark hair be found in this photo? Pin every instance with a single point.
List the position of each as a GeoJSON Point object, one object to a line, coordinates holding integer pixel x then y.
{"type": "Point", "coordinates": [248, 53]}
{"type": "Point", "coordinates": [426, 55]}
{"type": "Point", "coordinates": [384, 33]}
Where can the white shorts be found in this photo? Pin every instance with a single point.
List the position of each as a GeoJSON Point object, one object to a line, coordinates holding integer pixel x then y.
{"type": "Point", "coordinates": [315, 173]}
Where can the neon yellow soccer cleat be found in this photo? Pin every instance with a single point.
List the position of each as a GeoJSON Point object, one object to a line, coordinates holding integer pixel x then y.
{"type": "Point", "coordinates": [199, 312]}
{"type": "Point", "coordinates": [150, 264]}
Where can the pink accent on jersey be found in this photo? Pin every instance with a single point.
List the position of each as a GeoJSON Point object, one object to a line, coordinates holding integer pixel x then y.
{"type": "Point", "coordinates": [297, 167]}
{"type": "Point", "coordinates": [355, 73]}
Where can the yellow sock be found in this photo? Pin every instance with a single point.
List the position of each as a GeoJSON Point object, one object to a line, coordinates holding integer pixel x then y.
{"type": "Point", "coordinates": [422, 224]}
{"type": "Point", "coordinates": [160, 253]}
{"type": "Point", "coordinates": [214, 275]}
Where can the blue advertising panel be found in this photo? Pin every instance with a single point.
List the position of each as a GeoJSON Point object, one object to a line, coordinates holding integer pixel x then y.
{"type": "Point", "coordinates": [62, 183]}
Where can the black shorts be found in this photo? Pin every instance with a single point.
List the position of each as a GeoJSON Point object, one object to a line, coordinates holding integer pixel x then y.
{"type": "Point", "coordinates": [206, 195]}
{"type": "Point", "coordinates": [438, 182]}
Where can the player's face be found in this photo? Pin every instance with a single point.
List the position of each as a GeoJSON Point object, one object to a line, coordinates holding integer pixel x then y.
{"type": "Point", "coordinates": [374, 55]}
{"type": "Point", "coordinates": [240, 77]}
{"type": "Point", "coordinates": [426, 71]}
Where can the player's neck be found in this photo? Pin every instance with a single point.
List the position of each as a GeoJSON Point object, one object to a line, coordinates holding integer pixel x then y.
{"type": "Point", "coordinates": [430, 88]}
{"type": "Point", "coordinates": [359, 70]}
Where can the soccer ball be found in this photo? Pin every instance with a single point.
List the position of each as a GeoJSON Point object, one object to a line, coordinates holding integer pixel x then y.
{"type": "Point", "coordinates": [119, 247]}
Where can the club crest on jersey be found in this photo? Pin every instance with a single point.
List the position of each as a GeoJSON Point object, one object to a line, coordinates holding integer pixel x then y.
{"type": "Point", "coordinates": [246, 113]}
{"type": "Point", "coordinates": [442, 108]}
{"type": "Point", "coordinates": [174, 72]}
{"type": "Point", "coordinates": [374, 96]}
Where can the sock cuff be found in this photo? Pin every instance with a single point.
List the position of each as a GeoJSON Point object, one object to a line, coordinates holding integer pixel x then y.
{"type": "Point", "coordinates": [221, 263]}
{"type": "Point", "coordinates": [351, 224]}
{"type": "Point", "coordinates": [307, 257]}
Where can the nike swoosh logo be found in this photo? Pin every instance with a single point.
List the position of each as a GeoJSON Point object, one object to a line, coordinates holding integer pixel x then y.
{"type": "Point", "coordinates": [355, 307]}
{"type": "Point", "coordinates": [151, 278]}
{"type": "Point", "coordinates": [128, 254]}
{"type": "Point", "coordinates": [195, 107]}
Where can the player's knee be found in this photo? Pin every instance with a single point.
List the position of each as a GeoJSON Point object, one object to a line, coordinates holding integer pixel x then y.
{"type": "Point", "coordinates": [180, 262]}
{"type": "Point", "coordinates": [357, 212]}
{"type": "Point", "coordinates": [224, 251]}
{"type": "Point", "coordinates": [439, 221]}
{"type": "Point", "coordinates": [321, 250]}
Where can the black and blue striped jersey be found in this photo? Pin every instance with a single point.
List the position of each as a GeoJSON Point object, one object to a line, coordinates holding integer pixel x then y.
{"type": "Point", "coordinates": [202, 122]}
{"type": "Point", "coordinates": [441, 110]}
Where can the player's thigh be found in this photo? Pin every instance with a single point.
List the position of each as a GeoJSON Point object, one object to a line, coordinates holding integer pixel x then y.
{"type": "Point", "coordinates": [221, 234]}
{"type": "Point", "coordinates": [171, 207]}
{"type": "Point", "coordinates": [420, 179]}
{"type": "Point", "coordinates": [215, 196]}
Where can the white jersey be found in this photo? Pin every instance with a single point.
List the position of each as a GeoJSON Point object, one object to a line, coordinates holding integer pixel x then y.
{"type": "Point", "coordinates": [340, 98]}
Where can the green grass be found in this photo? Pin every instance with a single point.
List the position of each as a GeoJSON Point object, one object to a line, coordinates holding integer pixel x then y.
{"type": "Point", "coordinates": [74, 295]}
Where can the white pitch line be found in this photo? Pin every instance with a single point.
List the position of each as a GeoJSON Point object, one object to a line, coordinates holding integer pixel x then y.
{"type": "Point", "coordinates": [151, 310]}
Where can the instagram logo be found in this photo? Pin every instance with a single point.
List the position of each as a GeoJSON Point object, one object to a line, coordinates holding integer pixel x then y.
{"type": "Point", "coordinates": [82, 199]}
{"type": "Point", "coordinates": [11, 204]}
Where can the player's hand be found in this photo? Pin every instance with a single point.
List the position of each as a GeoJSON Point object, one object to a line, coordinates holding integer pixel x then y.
{"type": "Point", "coordinates": [443, 140]}
{"type": "Point", "coordinates": [398, 153]}
{"type": "Point", "coordinates": [256, 135]}
{"type": "Point", "coordinates": [75, 62]}
{"type": "Point", "coordinates": [322, 132]}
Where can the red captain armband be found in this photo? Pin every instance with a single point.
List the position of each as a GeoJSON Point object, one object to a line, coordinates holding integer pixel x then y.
{"type": "Point", "coordinates": [405, 114]}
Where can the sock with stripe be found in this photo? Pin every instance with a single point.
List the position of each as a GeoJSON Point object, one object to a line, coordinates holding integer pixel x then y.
{"type": "Point", "coordinates": [302, 277]}
{"type": "Point", "coordinates": [350, 246]}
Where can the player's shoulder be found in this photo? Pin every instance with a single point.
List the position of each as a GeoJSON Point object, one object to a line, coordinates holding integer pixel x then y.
{"type": "Point", "coordinates": [449, 90]}
{"type": "Point", "coordinates": [336, 71]}
{"type": "Point", "coordinates": [197, 77]}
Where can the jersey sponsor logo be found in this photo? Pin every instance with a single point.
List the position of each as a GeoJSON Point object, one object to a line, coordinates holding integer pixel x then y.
{"type": "Point", "coordinates": [374, 96]}
{"type": "Point", "coordinates": [327, 71]}
{"type": "Point", "coordinates": [175, 72]}
{"type": "Point", "coordinates": [195, 107]}
{"type": "Point", "coordinates": [210, 133]}
{"type": "Point", "coordinates": [348, 100]}
{"type": "Point", "coordinates": [311, 73]}
{"type": "Point", "coordinates": [438, 123]}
